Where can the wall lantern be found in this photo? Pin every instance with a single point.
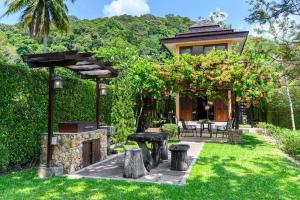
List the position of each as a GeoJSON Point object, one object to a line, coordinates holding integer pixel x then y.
{"type": "Point", "coordinates": [57, 81]}
{"type": "Point", "coordinates": [103, 90]}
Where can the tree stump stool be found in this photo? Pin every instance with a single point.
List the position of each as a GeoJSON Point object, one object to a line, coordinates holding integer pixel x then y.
{"type": "Point", "coordinates": [179, 160]}
{"type": "Point", "coordinates": [164, 149]}
{"type": "Point", "coordinates": [134, 164]}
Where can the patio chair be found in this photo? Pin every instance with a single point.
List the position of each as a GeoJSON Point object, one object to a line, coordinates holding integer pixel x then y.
{"type": "Point", "coordinates": [224, 129]}
{"type": "Point", "coordinates": [188, 128]}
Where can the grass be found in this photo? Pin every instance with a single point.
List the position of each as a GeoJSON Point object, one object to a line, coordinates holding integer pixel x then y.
{"type": "Point", "coordinates": [253, 170]}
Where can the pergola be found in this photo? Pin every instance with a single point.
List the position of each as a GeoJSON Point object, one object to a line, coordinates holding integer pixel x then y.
{"type": "Point", "coordinates": [83, 64]}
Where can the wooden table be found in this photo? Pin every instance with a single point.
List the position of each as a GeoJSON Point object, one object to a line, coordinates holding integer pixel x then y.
{"type": "Point", "coordinates": [158, 150]}
{"type": "Point", "coordinates": [202, 127]}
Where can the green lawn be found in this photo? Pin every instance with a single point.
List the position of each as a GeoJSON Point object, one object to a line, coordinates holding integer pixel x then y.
{"type": "Point", "coordinates": [254, 170]}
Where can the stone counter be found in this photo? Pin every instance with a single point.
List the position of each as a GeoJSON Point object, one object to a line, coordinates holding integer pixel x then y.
{"type": "Point", "coordinates": [68, 150]}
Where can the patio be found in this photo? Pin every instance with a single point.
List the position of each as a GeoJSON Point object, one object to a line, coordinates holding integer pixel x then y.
{"type": "Point", "coordinates": [113, 167]}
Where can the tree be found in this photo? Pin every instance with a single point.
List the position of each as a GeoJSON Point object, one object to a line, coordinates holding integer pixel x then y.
{"type": "Point", "coordinates": [276, 15]}
{"type": "Point", "coordinates": [282, 52]}
{"type": "Point", "coordinates": [143, 33]}
{"type": "Point", "coordinates": [142, 76]}
{"type": "Point", "coordinates": [219, 17]}
{"type": "Point", "coordinates": [37, 16]}
{"type": "Point", "coordinates": [264, 10]}
{"type": "Point", "coordinates": [8, 52]}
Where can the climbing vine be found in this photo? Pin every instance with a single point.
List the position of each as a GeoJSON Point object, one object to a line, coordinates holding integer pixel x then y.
{"type": "Point", "coordinates": [251, 78]}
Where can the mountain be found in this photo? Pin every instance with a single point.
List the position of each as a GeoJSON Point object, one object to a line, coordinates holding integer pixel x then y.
{"type": "Point", "coordinates": [143, 33]}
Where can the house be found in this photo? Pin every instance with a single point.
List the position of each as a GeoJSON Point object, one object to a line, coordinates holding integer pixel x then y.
{"type": "Point", "coordinates": [201, 38]}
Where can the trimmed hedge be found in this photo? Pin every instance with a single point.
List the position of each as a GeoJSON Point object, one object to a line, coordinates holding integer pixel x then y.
{"type": "Point", "coordinates": [288, 140]}
{"type": "Point", "coordinates": [172, 129]}
{"type": "Point", "coordinates": [23, 108]}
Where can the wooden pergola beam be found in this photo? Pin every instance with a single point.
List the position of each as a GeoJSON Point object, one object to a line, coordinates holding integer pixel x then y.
{"type": "Point", "coordinates": [83, 64]}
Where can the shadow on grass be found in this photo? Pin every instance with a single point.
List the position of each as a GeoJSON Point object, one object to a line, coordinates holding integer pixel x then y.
{"type": "Point", "coordinates": [251, 142]}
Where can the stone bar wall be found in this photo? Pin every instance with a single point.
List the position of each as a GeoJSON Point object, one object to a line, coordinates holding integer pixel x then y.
{"type": "Point", "coordinates": [67, 153]}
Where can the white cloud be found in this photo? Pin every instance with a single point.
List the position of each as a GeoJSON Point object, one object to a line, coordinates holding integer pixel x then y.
{"type": "Point", "coordinates": [130, 7]}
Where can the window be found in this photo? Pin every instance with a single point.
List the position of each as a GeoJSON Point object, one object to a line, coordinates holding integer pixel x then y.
{"type": "Point", "coordinates": [197, 50]}
{"type": "Point", "coordinates": [186, 50]}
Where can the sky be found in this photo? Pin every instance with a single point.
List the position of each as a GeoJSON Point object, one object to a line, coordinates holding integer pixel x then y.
{"type": "Point", "coordinates": [237, 10]}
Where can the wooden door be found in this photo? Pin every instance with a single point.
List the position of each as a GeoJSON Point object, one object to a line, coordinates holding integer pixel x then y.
{"type": "Point", "coordinates": [91, 152]}
{"type": "Point", "coordinates": [87, 153]}
{"type": "Point", "coordinates": [96, 151]}
{"type": "Point", "coordinates": [220, 110]}
{"type": "Point", "coordinates": [186, 108]}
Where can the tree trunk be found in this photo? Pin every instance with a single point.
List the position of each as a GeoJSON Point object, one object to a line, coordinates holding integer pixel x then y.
{"type": "Point", "coordinates": [45, 43]}
{"type": "Point", "coordinates": [140, 112]}
{"type": "Point", "coordinates": [290, 103]}
{"type": "Point", "coordinates": [134, 165]}
{"type": "Point", "coordinates": [236, 114]}
{"type": "Point", "coordinates": [251, 115]}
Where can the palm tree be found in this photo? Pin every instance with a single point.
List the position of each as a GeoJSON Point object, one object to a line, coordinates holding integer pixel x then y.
{"type": "Point", "coordinates": [37, 16]}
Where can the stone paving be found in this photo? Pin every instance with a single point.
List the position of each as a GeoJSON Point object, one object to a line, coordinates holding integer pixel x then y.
{"type": "Point", "coordinates": [112, 168]}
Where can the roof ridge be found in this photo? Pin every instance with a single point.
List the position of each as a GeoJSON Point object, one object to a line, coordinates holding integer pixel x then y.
{"type": "Point", "coordinates": [204, 23]}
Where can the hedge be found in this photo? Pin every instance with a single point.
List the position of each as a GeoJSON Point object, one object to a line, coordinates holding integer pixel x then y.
{"type": "Point", "coordinates": [172, 129]}
{"type": "Point", "coordinates": [288, 140]}
{"type": "Point", "coordinates": [23, 113]}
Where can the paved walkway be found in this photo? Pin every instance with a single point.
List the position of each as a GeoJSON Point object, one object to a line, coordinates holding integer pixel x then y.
{"type": "Point", "coordinates": [112, 168]}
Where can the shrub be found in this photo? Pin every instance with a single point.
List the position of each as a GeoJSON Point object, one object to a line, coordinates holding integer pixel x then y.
{"type": "Point", "coordinates": [122, 113]}
{"type": "Point", "coordinates": [288, 140]}
{"type": "Point", "coordinates": [172, 129]}
{"type": "Point", "coordinates": [4, 161]}
{"type": "Point", "coordinates": [262, 125]}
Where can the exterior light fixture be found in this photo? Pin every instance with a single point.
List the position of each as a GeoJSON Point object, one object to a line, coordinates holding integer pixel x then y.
{"type": "Point", "coordinates": [103, 90]}
{"type": "Point", "coordinates": [57, 82]}
{"type": "Point", "coordinates": [207, 113]}
{"type": "Point", "coordinates": [206, 108]}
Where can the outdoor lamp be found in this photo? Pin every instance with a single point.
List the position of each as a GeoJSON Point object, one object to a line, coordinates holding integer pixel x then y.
{"type": "Point", "coordinates": [103, 90]}
{"type": "Point", "coordinates": [206, 108]}
{"type": "Point", "coordinates": [57, 82]}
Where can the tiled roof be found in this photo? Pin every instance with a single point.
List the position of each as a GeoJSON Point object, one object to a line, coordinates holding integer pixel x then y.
{"type": "Point", "coordinates": [205, 26]}
{"type": "Point", "coordinates": [203, 23]}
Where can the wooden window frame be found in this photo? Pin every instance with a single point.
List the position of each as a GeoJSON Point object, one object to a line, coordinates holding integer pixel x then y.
{"type": "Point", "coordinates": [204, 46]}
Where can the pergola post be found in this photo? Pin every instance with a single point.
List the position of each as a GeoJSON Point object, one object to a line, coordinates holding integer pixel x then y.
{"type": "Point", "coordinates": [97, 102]}
{"type": "Point", "coordinates": [51, 94]}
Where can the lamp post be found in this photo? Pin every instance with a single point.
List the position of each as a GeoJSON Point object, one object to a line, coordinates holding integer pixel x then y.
{"type": "Point", "coordinates": [54, 82]}
{"type": "Point", "coordinates": [207, 109]}
{"type": "Point", "coordinates": [101, 90]}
